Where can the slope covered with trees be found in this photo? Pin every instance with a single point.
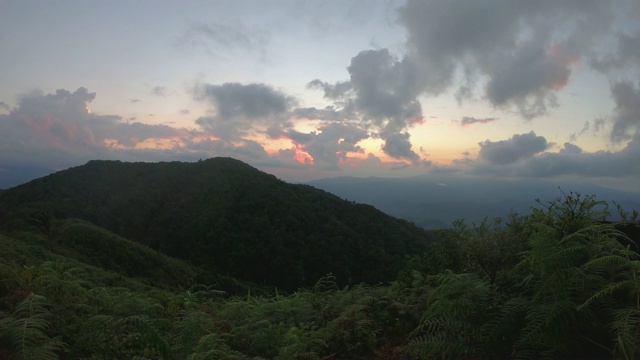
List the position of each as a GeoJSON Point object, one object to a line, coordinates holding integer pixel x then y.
{"type": "Point", "coordinates": [225, 216]}
{"type": "Point", "coordinates": [557, 283]}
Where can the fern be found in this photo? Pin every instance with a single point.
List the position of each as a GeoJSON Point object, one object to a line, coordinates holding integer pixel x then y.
{"type": "Point", "coordinates": [451, 326]}
{"type": "Point", "coordinates": [213, 347]}
{"type": "Point", "coordinates": [121, 337]}
{"type": "Point", "coordinates": [25, 330]}
{"type": "Point", "coordinates": [626, 328]}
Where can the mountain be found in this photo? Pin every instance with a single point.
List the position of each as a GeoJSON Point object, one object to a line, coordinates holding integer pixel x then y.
{"type": "Point", "coordinates": [434, 202]}
{"type": "Point", "coordinates": [227, 217]}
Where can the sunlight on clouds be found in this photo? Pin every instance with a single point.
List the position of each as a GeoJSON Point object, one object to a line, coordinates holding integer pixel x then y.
{"type": "Point", "coordinates": [146, 144]}
{"type": "Point", "coordinates": [302, 156]}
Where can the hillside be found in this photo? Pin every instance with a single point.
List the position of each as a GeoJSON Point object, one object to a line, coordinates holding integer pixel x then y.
{"type": "Point", "coordinates": [556, 283]}
{"type": "Point", "coordinates": [226, 217]}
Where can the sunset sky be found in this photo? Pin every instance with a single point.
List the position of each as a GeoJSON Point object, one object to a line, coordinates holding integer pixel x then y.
{"type": "Point", "coordinates": [314, 89]}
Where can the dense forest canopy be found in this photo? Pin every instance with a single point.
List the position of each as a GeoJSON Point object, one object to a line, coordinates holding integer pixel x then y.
{"type": "Point", "coordinates": [227, 217]}
{"type": "Point", "coordinates": [559, 282]}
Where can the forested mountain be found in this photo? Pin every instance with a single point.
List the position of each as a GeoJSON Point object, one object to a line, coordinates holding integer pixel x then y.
{"type": "Point", "coordinates": [225, 216]}
{"type": "Point", "coordinates": [558, 282]}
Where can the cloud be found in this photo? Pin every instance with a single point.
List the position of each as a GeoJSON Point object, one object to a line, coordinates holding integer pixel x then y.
{"type": "Point", "coordinates": [627, 54]}
{"type": "Point", "coordinates": [397, 145]}
{"type": "Point", "coordinates": [598, 125]}
{"type": "Point", "coordinates": [386, 90]}
{"type": "Point", "coordinates": [585, 128]}
{"type": "Point", "coordinates": [4, 105]}
{"type": "Point", "coordinates": [247, 150]}
{"type": "Point", "coordinates": [337, 91]}
{"type": "Point", "coordinates": [159, 91]}
{"type": "Point", "coordinates": [328, 113]}
{"type": "Point", "coordinates": [526, 51]}
{"type": "Point", "coordinates": [570, 148]}
{"type": "Point", "coordinates": [467, 121]}
{"type": "Point", "coordinates": [330, 145]}
{"type": "Point", "coordinates": [571, 160]}
{"type": "Point", "coordinates": [517, 55]}
{"type": "Point", "coordinates": [55, 131]}
{"type": "Point", "coordinates": [380, 96]}
{"type": "Point", "coordinates": [250, 101]}
{"type": "Point", "coordinates": [241, 108]}
{"type": "Point", "coordinates": [517, 148]}
{"type": "Point", "coordinates": [59, 128]}
{"type": "Point", "coordinates": [626, 119]}
{"type": "Point", "coordinates": [245, 110]}
{"type": "Point", "coordinates": [222, 38]}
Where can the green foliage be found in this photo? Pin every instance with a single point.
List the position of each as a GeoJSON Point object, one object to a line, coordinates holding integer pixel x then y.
{"type": "Point", "coordinates": [219, 214]}
{"type": "Point", "coordinates": [557, 283]}
{"type": "Point", "coordinates": [23, 333]}
{"type": "Point", "coordinates": [573, 293]}
{"type": "Point", "coordinates": [452, 324]}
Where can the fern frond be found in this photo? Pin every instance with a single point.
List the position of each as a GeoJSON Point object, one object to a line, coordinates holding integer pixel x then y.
{"type": "Point", "coordinates": [212, 347]}
{"type": "Point", "coordinates": [26, 331]}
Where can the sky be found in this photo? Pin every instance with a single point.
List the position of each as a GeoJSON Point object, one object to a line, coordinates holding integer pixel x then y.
{"type": "Point", "coordinates": [314, 89]}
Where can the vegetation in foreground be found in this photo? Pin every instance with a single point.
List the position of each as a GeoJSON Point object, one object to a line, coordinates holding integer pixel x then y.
{"type": "Point", "coordinates": [559, 282]}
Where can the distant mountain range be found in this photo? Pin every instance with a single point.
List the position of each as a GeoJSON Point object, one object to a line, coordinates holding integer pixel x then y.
{"type": "Point", "coordinates": [434, 202]}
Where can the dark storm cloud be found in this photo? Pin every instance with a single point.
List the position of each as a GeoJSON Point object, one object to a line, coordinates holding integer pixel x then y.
{"type": "Point", "coordinates": [517, 148]}
{"type": "Point", "coordinates": [626, 118]}
{"type": "Point", "coordinates": [466, 121]}
{"type": "Point", "coordinates": [526, 50]}
{"type": "Point", "coordinates": [240, 108]}
{"type": "Point", "coordinates": [4, 105]}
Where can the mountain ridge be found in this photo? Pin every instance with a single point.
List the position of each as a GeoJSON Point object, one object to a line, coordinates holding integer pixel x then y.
{"type": "Point", "coordinates": [228, 217]}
